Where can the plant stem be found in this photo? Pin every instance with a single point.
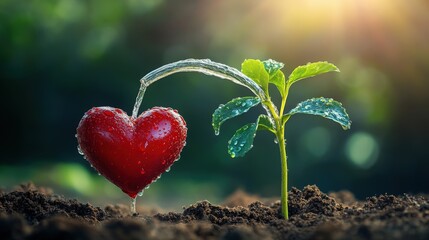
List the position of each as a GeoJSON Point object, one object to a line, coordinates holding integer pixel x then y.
{"type": "Point", "coordinates": [280, 129]}
{"type": "Point", "coordinates": [283, 157]}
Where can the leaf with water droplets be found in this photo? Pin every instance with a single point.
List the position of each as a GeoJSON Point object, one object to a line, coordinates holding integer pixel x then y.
{"type": "Point", "coordinates": [311, 70]}
{"type": "Point", "coordinates": [242, 141]}
{"type": "Point", "coordinates": [233, 108]}
{"type": "Point", "coordinates": [255, 70]}
{"type": "Point", "coordinates": [272, 66]}
{"type": "Point", "coordinates": [264, 123]}
{"type": "Point", "coordinates": [325, 107]}
{"type": "Point", "coordinates": [276, 76]}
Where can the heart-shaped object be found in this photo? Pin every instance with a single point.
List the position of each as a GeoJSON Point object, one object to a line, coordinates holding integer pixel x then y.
{"type": "Point", "coordinates": [131, 153]}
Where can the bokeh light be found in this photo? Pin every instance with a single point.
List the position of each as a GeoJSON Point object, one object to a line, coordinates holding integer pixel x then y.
{"type": "Point", "coordinates": [362, 150]}
{"type": "Point", "coordinates": [317, 141]}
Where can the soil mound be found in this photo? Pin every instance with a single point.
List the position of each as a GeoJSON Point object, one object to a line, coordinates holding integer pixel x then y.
{"type": "Point", "coordinates": [31, 212]}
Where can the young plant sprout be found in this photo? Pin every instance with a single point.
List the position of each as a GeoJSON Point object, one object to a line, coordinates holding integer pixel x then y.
{"type": "Point", "coordinates": [269, 72]}
{"type": "Point", "coordinates": [105, 126]}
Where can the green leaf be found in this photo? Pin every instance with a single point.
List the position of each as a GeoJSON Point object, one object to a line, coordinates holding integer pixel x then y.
{"type": "Point", "coordinates": [264, 123]}
{"type": "Point", "coordinates": [233, 108]}
{"type": "Point", "coordinates": [325, 107]}
{"type": "Point", "coordinates": [272, 66]}
{"type": "Point", "coordinates": [255, 70]}
{"type": "Point", "coordinates": [242, 141]}
{"type": "Point", "coordinates": [311, 70]}
{"type": "Point", "coordinates": [278, 79]}
{"type": "Point", "coordinates": [276, 76]}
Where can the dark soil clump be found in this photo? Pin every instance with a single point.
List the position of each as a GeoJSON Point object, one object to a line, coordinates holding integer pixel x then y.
{"type": "Point", "coordinates": [36, 213]}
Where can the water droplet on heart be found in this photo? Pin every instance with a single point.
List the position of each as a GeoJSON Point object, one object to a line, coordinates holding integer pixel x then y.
{"type": "Point", "coordinates": [168, 169]}
{"type": "Point", "coordinates": [80, 150]}
{"type": "Point", "coordinates": [163, 162]}
{"type": "Point", "coordinates": [184, 144]}
{"type": "Point", "coordinates": [142, 171]}
{"type": "Point", "coordinates": [141, 192]}
{"type": "Point", "coordinates": [155, 179]}
{"type": "Point", "coordinates": [177, 159]}
{"type": "Point", "coordinates": [139, 162]}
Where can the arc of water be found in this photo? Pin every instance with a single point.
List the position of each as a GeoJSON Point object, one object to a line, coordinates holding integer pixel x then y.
{"type": "Point", "coordinates": [204, 66]}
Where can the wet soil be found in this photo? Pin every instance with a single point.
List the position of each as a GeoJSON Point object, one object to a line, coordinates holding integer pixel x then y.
{"type": "Point", "coordinates": [30, 212]}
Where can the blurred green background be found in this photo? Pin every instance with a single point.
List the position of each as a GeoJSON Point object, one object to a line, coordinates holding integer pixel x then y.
{"type": "Point", "coordinates": [59, 58]}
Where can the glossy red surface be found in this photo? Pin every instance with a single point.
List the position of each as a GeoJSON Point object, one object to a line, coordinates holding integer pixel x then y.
{"type": "Point", "coordinates": [131, 153]}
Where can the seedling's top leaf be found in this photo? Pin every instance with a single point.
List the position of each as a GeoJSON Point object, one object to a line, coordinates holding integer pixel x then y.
{"type": "Point", "coordinates": [276, 76]}
{"type": "Point", "coordinates": [311, 70]}
{"type": "Point", "coordinates": [255, 70]}
{"type": "Point", "coordinates": [325, 107]}
{"type": "Point", "coordinates": [272, 66]}
{"type": "Point", "coordinates": [242, 141]}
{"type": "Point", "coordinates": [233, 108]}
{"type": "Point", "coordinates": [264, 123]}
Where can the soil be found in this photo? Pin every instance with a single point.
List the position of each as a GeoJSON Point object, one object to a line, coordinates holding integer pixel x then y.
{"type": "Point", "coordinates": [31, 212]}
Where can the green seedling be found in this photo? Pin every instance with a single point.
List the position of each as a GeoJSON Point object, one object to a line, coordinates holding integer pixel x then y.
{"type": "Point", "coordinates": [257, 76]}
{"type": "Point", "coordinates": [269, 72]}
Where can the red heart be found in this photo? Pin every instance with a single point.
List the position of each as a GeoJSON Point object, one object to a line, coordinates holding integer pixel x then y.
{"type": "Point", "coordinates": [131, 153]}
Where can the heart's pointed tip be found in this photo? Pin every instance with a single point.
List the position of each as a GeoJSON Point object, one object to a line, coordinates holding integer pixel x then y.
{"type": "Point", "coordinates": [132, 195]}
